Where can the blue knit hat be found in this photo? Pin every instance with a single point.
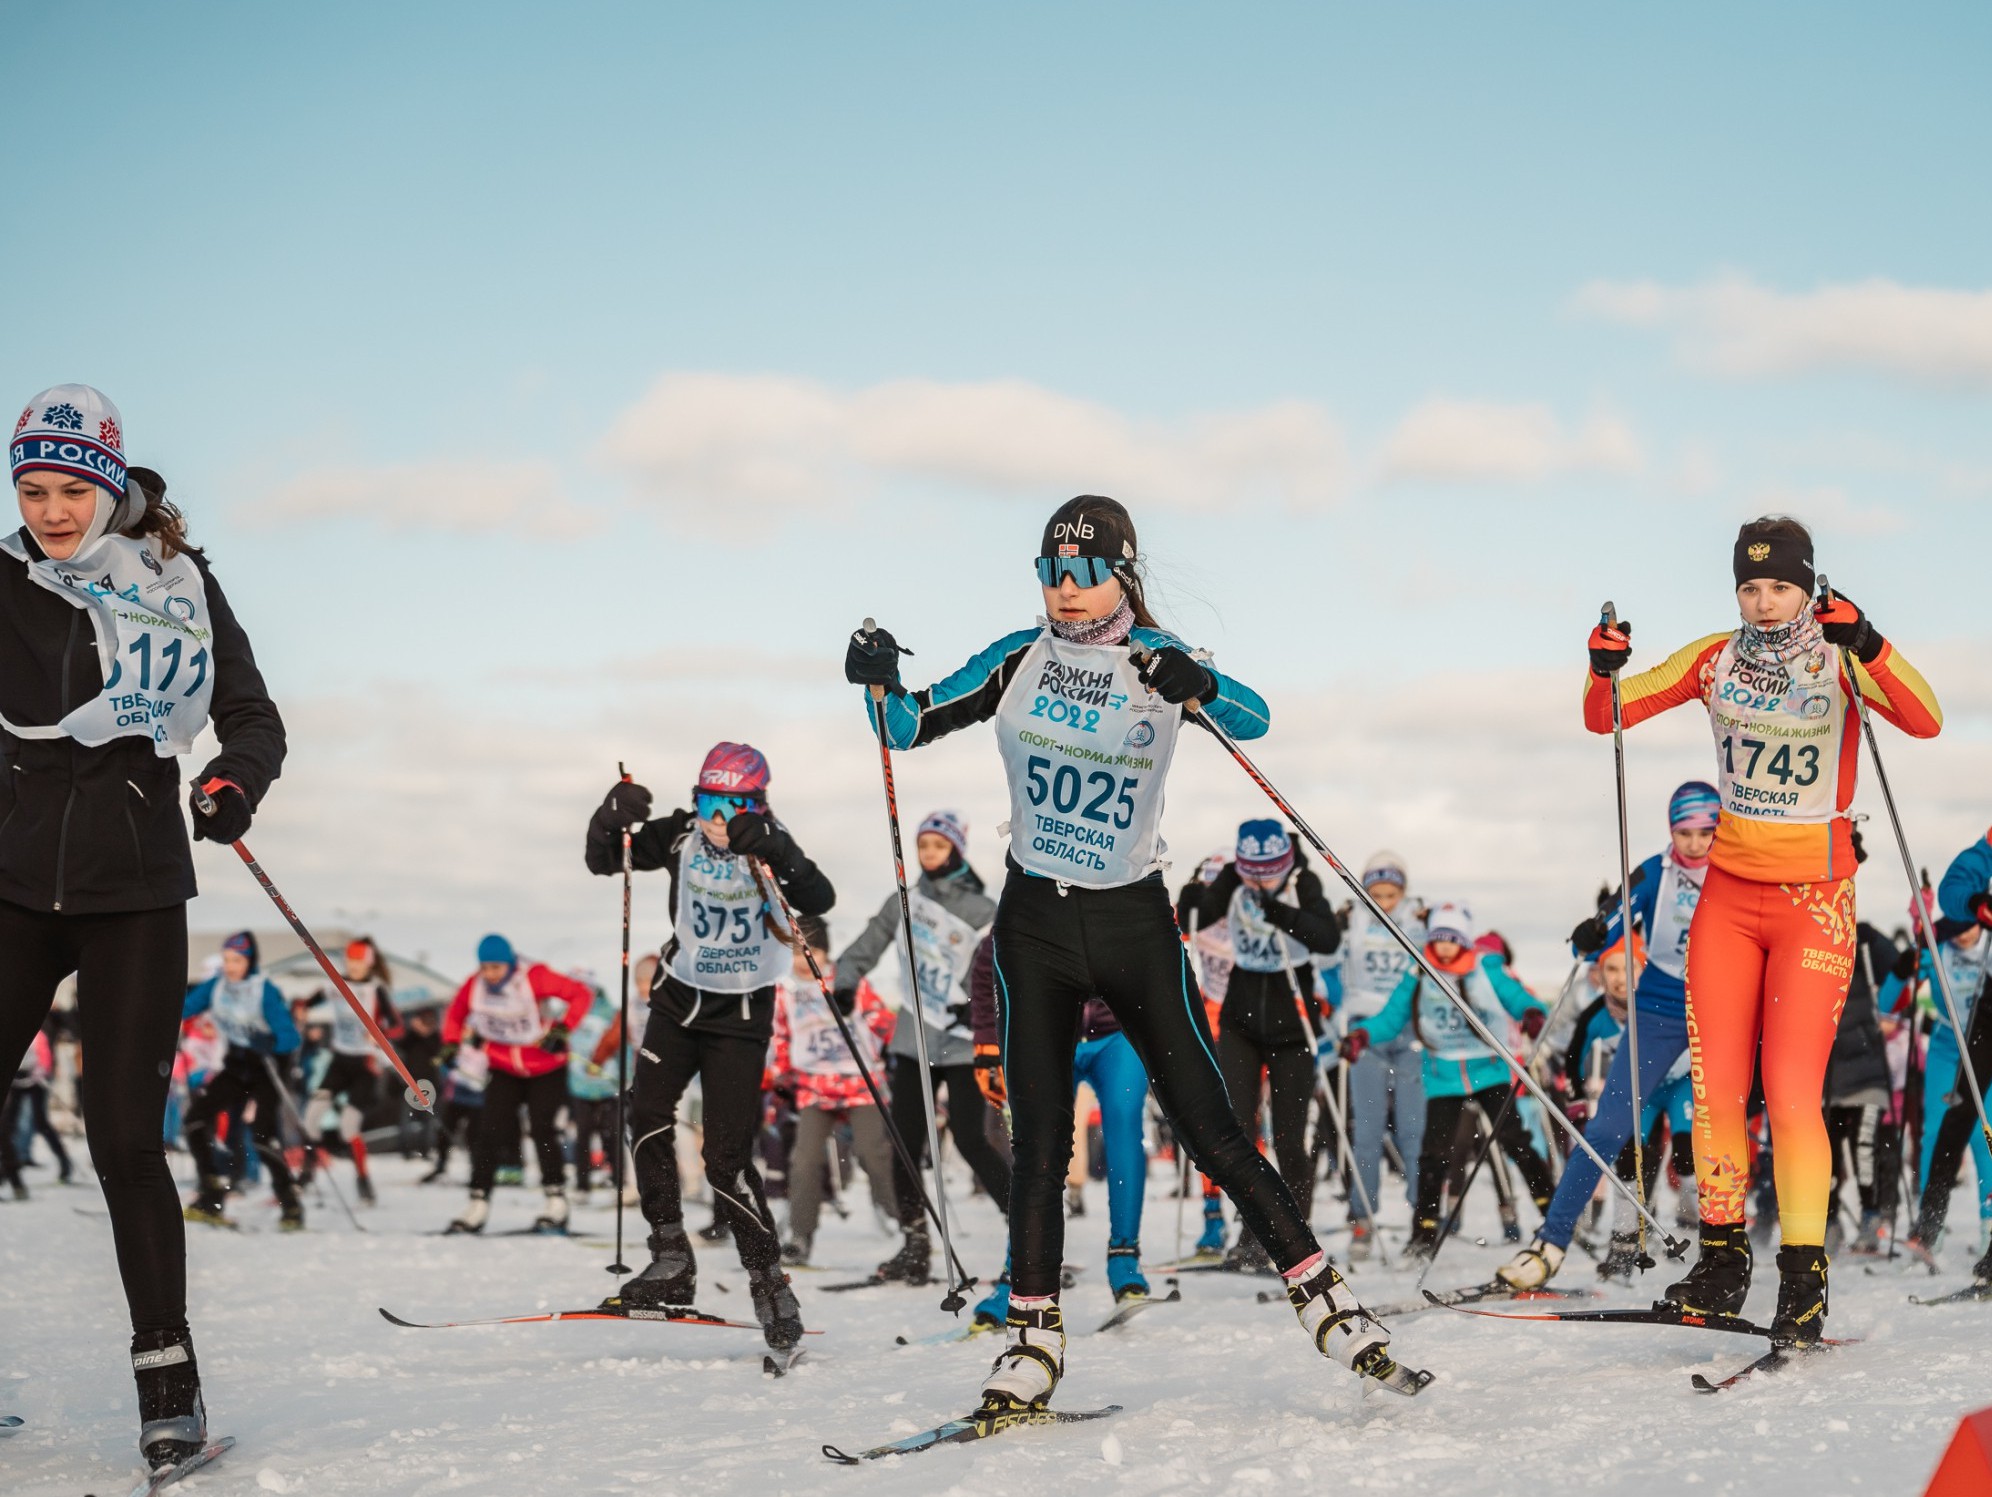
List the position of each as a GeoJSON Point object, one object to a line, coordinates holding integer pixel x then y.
{"type": "Point", "coordinates": [496, 948]}
{"type": "Point", "coordinates": [1695, 805]}
{"type": "Point", "coordinates": [1264, 850]}
{"type": "Point", "coordinates": [245, 943]}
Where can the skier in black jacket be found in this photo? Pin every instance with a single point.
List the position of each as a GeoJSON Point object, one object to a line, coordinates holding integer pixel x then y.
{"type": "Point", "coordinates": [116, 648]}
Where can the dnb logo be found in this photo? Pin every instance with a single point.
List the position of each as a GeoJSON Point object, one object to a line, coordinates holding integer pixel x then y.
{"type": "Point", "coordinates": [1140, 735]}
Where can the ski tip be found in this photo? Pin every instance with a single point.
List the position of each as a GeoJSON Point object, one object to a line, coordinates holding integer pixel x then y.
{"type": "Point", "coordinates": [842, 1458]}
{"type": "Point", "coordinates": [392, 1319]}
{"type": "Point", "coordinates": [1703, 1385]}
{"type": "Point", "coordinates": [1432, 1298]}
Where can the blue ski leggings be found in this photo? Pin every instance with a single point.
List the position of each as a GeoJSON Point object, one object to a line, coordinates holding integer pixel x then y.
{"type": "Point", "coordinates": [1941, 1066]}
{"type": "Point", "coordinates": [1111, 1068]}
{"type": "Point", "coordinates": [1386, 1093]}
{"type": "Point", "coordinates": [1663, 1035]}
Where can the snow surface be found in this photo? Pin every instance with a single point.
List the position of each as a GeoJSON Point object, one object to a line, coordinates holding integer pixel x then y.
{"type": "Point", "coordinates": [1221, 1393]}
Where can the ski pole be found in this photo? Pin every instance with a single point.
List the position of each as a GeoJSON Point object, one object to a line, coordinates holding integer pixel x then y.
{"type": "Point", "coordinates": [303, 1132]}
{"type": "Point", "coordinates": [1328, 1092]}
{"type": "Point", "coordinates": [1608, 617]}
{"type": "Point", "coordinates": [1451, 1223]}
{"type": "Point", "coordinates": [617, 1266]}
{"type": "Point", "coordinates": [1182, 1158]}
{"type": "Point", "coordinates": [955, 1300]}
{"type": "Point", "coordinates": [421, 1095]}
{"type": "Point", "coordinates": [1923, 922]}
{"type": "Point", "coordinates": [1676, 1246]}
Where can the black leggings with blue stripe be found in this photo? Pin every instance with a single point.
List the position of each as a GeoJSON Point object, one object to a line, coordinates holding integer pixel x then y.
{"type": "Point", "coordinates": [1054, 952]}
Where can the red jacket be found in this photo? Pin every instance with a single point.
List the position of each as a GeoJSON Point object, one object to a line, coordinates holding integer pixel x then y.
{"type": "Point", "coordinates": [524, 1060]}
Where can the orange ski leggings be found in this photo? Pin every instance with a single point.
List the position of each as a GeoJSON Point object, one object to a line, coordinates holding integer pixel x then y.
{"type": "Point", "coordinates": [1771, 960]}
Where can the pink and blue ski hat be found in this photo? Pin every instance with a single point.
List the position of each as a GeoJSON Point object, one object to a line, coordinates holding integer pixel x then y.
{"type": "Point", "coordinates": [244, 942]}
{"type": "Point", "coordinates": [1264, 850]}
{"type": "Point", "coordinates": [1451, 921]}
{"type": "Point", "coordinates": [1695, 806]}
{"type": "Point", "coordinates": [70, 429]}
{"type": "Point", "coordinates": [949, 824]}
{"type": "Point", "coordinates": [734, 769]}
{"type": "Point", "coordinates": [1385, 867]}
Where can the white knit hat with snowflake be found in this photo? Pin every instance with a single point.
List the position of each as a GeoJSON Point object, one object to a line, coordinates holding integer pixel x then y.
{"type": "Point", "coordinates": [71, 429]}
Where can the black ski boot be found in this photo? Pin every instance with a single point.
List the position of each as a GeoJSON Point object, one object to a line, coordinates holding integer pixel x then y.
{"type": "Point", "coordinates": [1801, 1318]}
{"type": "Point", "coordinates": [914, 1262]}
{"type": "Point", "coordinates": [775, 1307]}
{"type": "Point", "coordinates": [1720, 1280]}
{"type": "Point", "coordinates": [1248, 1255]}
{"type": "Point", "coordinates": [208, 1206]}
{"type": "Point", "coordinates": [1424, 1242]}
{"type": "Point", "coordinates": [672, 1277]}
{"type": "Point", "coordinates": [1620, 1259]}
{"type": "Point", "coordinates": [172, 1423]}
{"type": "Point", "coordinates": [365, 1187]}
{"type": "Point", "coordinates": [291, 1219]}
{"type": "Point", "coordinates": [715, 1230]}
{"type": "Point", "coordinates": [1981, 1271]}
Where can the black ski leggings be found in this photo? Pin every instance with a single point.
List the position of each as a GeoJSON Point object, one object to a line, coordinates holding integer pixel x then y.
{"type": "Point", "coordinates": [1961, 1117]}
{"type": "Point", "coordinates": [594, 1121]}
{"type": "Point", "coordinates": [967, 1124]}
{"type": "Point", "coordinates": [131, 974]}
{"type": "Point", "coordinates": [729, 1067]}
{"type": "Point", "coordinates": [1875, 1145]}
{"type": "Point", "coordinates": [1053, 952]}
{"type": "Point", "coordinates": [1450, 1118]}
{"type": "Point", "coordinates": [243, 1078]}
{"type": "Point", "coordinates": [498, 1130]}
{"type": "Point", "coordinates": [1288, 1065]}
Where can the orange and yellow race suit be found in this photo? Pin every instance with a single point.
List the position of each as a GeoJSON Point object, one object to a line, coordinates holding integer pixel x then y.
{"type": "Point", "coordinates": [1771, 946]}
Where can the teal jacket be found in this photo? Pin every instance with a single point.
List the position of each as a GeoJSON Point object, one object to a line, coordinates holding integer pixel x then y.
{"type": "Point", "coordinates": [1457, 1063]}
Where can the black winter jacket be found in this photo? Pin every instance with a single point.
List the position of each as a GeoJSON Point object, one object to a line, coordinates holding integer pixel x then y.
{"type": "Point", "coordinates": [1260, 1004]}
{"type": "Point", "coordinates": [1860, 1056]}
{"type": "Point", "coordinates": [87, 831]}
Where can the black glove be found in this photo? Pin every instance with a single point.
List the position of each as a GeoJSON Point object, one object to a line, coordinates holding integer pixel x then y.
{"type": "Point", "coordinates": [846, 1000]}
{"type": "Point", "coordinates": [958, 1016]}
{"type": "Point", "coordinates": [1279, 915]}
{"type": "Point", "coordinates": [554, 1041]}
{"type": "Point", "coordinates": [1589, 938]}
{"type": "Point", "coordinates": [1843, 624]}
{"type": "Point", "coordinates": [229, 821]}
{"type": "Point", "coordinates": [1981, 908]}
{"type": "Point", "coordinates": [1611, 647]}
{"type": "Point", "coordinates": [753, 834]}
{"type": "Point", "coordinates": [1177, 678]}
{"type": "Point", "coordinates": [1906, 962]}
{"type": "Point", "coordinates": [873, 660]}
{"type": "Point", "coordinates": [625, 805]}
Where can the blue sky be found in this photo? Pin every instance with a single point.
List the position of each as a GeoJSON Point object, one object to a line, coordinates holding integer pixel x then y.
{"type": "Point", "coordinates": [553, 387]}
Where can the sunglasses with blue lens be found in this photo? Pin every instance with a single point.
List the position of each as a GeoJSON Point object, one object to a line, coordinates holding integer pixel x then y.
{"type": "Point", "coordinates": [725, 807]}
{"type": "Point", "coordinates": [1087, 571]}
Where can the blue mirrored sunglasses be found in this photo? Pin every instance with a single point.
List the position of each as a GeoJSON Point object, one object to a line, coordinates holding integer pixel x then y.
{"type": "Point", "coordinates": [1087, 571]}
{"type": "Point", "coordinates": [725, 807]}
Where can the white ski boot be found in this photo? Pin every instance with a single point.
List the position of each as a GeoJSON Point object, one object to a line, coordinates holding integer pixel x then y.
{"type": "Point", "coordinates": [1531, 1268]}
{"type": "Point", "coordinates": [1340, 1327]}
{"type": "Point", "coordinates": [476, 1212]}
{"type": "Point", "coordinates": [1026, 1373]}
{"type": "Point", "coordinates": [553, 1215]}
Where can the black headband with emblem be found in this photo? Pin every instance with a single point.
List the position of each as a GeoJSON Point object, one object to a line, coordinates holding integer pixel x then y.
{"type": "Point", "coordinates": [1784, 558]}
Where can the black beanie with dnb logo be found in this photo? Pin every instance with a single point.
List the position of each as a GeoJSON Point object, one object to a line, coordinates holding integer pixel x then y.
{"type": "Point", "coordinates": [1090, 525]}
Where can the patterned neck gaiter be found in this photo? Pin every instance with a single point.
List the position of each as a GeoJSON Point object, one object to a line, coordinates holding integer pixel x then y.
{"type": "Point", "coordinates": [1782, 643]}
{"type": "Point", "coordinates": [1111, 630]}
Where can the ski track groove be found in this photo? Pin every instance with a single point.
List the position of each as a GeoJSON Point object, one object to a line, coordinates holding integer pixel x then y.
{"type": "Point", "coordinates": [1221, 1394]}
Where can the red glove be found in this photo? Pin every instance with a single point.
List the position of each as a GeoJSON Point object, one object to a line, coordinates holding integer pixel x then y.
{"type": "Point", "coordinates": [1981, 909]}
{"type": "Point", "coordinates": [1611, 647]}
{"type": "Point", "coordinates": [1578, 1110]}
{"type": "Point", "coordinates": [1533, 1023]}
{"type": "Point", "coordinates": [1846, 626]}
{"type": "Point", "coordinates": [1354, 1043]}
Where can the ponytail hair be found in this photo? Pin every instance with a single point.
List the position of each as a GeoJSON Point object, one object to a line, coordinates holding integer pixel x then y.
{"type": "Point", "coordinates": [162, 517]}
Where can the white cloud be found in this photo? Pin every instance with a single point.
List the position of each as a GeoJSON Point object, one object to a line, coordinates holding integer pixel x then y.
{"type": "Point", "coordinates": [1831, 510]}
{"type": "Point", "coordinates": [697, 437]}
{"type": "Point", "coordinates": [1735, 327]}
{"type": "Point", "coordinates": [458, 498]}
{"type": "Point", "coordinates": [1482, 441]}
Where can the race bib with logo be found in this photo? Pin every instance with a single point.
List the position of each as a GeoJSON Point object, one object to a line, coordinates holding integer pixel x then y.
{"type": "Point", "coordinates": [349, 1035]}
{"type": "Point", "coordinates": [1673, 910]}
{"type": "Point", "coordinates": [154, 642]}
{"type": "Point", "coordinates": [1256, 946]}
{"type": "Point", "coordinates": [725, 943]}
{"type": "Point", "coordinates": [816, 1047]}
{"type": "Point", "coordinates": [1373, 962]}
{"type": "Point", "coordinates": [943, 947]}
{"type": "Point", "coordinates": [1086, 748]}
{"type": "Point", "coordinates": [1777, 734]}
{"type": "Point", "coordinates": [511, 1015]}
